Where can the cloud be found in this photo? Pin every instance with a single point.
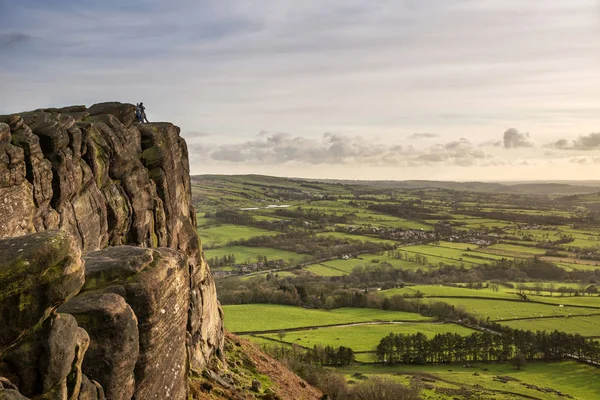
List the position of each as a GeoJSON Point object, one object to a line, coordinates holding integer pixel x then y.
{"type": "Point", "coordinates": [583, 142]}
{"type": "Point", "coordinates": [424, 135]}
{"type": "Point", "coordinates": [491, 143]}
{"type": "Point", "coordinates": [335, 149]}
{"type": "Point", "coordinates": [585, 160]}
{"type": "Point", "coordinates": [514, 139]}
{"type": "Point", "coordinates": [9, 41]}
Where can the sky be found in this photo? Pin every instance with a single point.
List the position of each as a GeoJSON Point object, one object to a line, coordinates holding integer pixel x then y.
{"type": "Point", "coordinates": [349, 89]}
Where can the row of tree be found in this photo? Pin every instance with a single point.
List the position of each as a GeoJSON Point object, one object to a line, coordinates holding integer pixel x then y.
{"type": "Point", "coordinates": [216, 262]}
{"type": "Point", "coordinates": [318, 355]}
{"type": "Point", "coordinates": [486, 347]}
{"type": "Point", "coordinates": [318, 246]}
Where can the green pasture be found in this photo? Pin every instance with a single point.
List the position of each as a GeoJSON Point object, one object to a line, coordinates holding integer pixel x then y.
{"type": "Point", "coordinates": [369, 260]}
{"type": "Point", "coordinates": [243, 253]}
{"type": "Point", "coordinates": [450, 255]}
{"type": "Point", "coordinates": [216, 236]}
{"type": "Point", "coordinates": [262, 317]}
{"type": "Point", "coordinates": [584, 325]}
{"type": "Point", "coordinates": [440, 290]}
{"type": "Point", "coordinates": [364, 337]}
{"type": "Point", "coordinates": [361, 238]}
{"type": "Point", "coordinates": [458, 246]}
{"type": "Point", "coordinates": [517, 249]}
{"type": "Point", "coordinates": [279, 274]}
{"type": "Point", "coordinates": [571, 266]}
{"type": "Point", "coordinates": [324, 270]}
{"type": "Point", "coordinates": [578, 380]}
{"type": "Point", "coordinates": [497, 310]}
{"type": "Point", "coordinates": [589, 301]}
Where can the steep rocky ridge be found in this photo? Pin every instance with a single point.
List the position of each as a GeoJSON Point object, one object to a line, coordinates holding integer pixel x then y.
{"type": "Point", "coordinates": [104, 292]}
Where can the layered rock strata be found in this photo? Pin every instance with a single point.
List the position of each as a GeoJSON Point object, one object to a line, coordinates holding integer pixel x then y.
{"type": "Point", "coordinates": [104, 292]}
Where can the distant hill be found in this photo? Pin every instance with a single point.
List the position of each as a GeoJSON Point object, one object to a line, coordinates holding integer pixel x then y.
{"type": "Point", "coordinates": [524, 187]}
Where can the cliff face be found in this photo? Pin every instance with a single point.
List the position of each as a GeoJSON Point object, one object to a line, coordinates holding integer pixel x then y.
{"type": "Point", "coordinates": [104, 292]}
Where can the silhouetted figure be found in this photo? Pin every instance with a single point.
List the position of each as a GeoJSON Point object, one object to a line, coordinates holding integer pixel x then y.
{"type": "Point", "coordinates": [138, 113]}
{"type": "Point", "coordinates": [143, 112]}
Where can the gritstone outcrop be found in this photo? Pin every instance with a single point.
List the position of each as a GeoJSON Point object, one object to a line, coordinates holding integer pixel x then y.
{"type": "Point", "coordinates": [104, 292]}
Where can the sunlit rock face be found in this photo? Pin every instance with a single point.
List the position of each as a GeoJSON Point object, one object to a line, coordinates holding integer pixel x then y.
{"type": "Point", "coordinates": [96, 218]}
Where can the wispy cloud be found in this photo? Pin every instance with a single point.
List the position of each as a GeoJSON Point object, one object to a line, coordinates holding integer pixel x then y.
{"type": "Point", "coordinates": [12, 40]}
{"type": "Point", "coordinates": [424, 135]}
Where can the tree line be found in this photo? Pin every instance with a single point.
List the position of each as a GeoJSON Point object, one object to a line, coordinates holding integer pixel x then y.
{"type": "Point", "coordinates": [317, 355]}
{"type": "Point", "coordinates": [486, 347]}
{"type": "Point", "coordinates": [318, 246]}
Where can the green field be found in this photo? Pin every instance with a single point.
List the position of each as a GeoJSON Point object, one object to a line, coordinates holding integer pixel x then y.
{"type": "Point", "coordinates": [278, 274]}
{"type": "Point", "coordinates": [588, 301]}
{"type": "Point", "coordinates": [364, 337]}
{"type": "Point", "coordinates": [451, 255]}
{"type": "Point", "coordinates": [439, 290]}
{"type": "Point", "coordinates": [263, 317]}
{"type": "Point", "coordinates": [324, 270]}
{"type": "Point", "coordinates": [497, 310]}
{"type": "Point", "coordinates": [584, 325]}
{"type": "Point", "coordinates": [343, 267]}
{"type": "Point", "coordinates": [216, 236]}
{"type": "Point", "coordinates": [243, 254]}
{"type": "Point", "coordinates": [511, 248]}
{"type": "Point", "coordinates": [362, 238]}
{"type": "Point", "coordinates": [578, 380]}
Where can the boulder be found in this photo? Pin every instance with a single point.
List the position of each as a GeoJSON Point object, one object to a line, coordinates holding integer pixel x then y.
{"type": "Point", "coordinates": [124, 112]}
{"type": "Point", "coordinates": [48, 362]}
{"type": "Point", "coordinates": [155, 284]}
{"type": "Point", "coordinates": [114, 347]}
{"type": "Point", "coordinates": [38, 272]}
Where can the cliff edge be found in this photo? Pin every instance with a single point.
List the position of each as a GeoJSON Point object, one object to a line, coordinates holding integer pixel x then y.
{"type": "Point", "coordinates": [104, 291]}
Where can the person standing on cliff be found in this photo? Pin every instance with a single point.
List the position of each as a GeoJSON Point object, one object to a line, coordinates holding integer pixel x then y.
{"type": "Point", "coordinates": [138, 113]}
{"type": "Point", "coordinates": [143, 112]}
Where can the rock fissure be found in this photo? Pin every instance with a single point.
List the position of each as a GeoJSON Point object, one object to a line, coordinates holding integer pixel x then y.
{"type": "Point", "coordinates": [110, 296]}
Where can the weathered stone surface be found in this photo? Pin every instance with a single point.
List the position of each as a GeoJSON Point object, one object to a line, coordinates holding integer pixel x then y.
{"type": "Point", "coordinates": [12, 159]}
{"type": "Point", "coordinates": [38, 272]}
{"type": "Point", "coordinates": [108, 181]}
{"type": "Point", "coordinates": [59, 352]}
{"type": "Point", "coordinates": [9, 394]}
{"type": "Point", "coordinates": [91, 390]}
{"type": "Point", "coordinates": [159, 295]}
{"type": "Point", "coordinates": [205, 322]}
{"type": "Point", "coordinates": [38, 173]}
{"type": "Point", "coordinates": [124, 112]}
{"type": "Point", "coordinates": [17, 210]}
{"type": "Point", "coordinates": [166, 157]}
{"type": "Point", "coordinates": [114, 347]}
{"type": "Point", "coordinates": [48, 362]}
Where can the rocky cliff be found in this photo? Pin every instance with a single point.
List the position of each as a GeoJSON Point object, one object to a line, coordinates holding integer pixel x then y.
{"type": "Point", "coordinates": [104, 292]}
